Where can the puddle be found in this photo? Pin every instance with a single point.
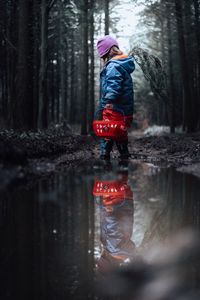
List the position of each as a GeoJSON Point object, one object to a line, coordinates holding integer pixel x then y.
{"type": "Point", "coordinates": [54, 234]}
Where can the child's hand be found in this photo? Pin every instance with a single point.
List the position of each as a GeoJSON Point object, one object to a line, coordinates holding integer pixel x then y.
{"type": "Point", "coordinates": [109, 106]}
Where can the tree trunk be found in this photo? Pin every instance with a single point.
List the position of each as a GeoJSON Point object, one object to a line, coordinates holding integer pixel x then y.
{"type": "Point", "coordinates": [72, 108]}
{"type": "Point", "coordinates": [12, 31]}
{"type": "Point", "coordinates": [52, 92]}
{"type": "Point", "coordinates": [4, 70]}
{"type": "Point", "coordinates": [61, 62]}
{"type": "Point", "coordinates": [36, 10]}
{"type": "Point", "coordinates": [171, 73]}
{"type": "Point", "coordinates": [70, 55]}
{"type": "Point", "coordinates": [42, 119]}
{"type": "Point", "coordinates": [197, 31]}
{"type": "Point", "coordinates": [84, 110]}
{"type": "Point", "coordinates": [190, 53]}
{"type": "Point", "coordinates": [163, 105]}
{"type": "Point", "coordinates": [92, 81]}
{"type": "Point", "coordinates": [23, 104]}
{"type": "Point", "coordinates": [67, 79]}
{"type": "Point", "coordinates": [107, 20]}
{"type": "Point", "coordinates": [188, 124]}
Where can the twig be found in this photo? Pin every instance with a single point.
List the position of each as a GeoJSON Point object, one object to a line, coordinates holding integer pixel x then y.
{"type": "Point", "coordinates": [51, 4]}
{"type": "Point", "coordinates": [9, 42]}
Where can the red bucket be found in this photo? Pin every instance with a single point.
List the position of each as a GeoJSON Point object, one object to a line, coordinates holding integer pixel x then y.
{"type": "Point", "coordinates": [115, 130]}
{"type": "Point", "coordinates": [116, 189]}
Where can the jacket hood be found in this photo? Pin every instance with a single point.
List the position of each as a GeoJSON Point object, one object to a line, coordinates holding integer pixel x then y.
{"type": "Point", "coordinates": [127, 62]}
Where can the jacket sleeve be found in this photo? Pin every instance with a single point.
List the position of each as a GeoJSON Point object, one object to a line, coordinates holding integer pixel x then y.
{"type": "Point", "coordinates": [114, 81]}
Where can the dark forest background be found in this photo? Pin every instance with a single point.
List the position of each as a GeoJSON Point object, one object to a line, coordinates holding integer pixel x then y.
{"type": "Point", "coordinates": [49, 68]}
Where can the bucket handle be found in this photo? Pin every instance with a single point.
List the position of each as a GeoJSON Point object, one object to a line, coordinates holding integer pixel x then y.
{"type": "Point", "coordinates": [119, 110]}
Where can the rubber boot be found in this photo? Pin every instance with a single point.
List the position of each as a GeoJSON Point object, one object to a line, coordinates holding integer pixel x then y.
{"type": "Point", "coordinates": [106, 148]}
{"type": "Point", "coordinates": [123, 150]}
{"type": "Point", "coordinates": [123, 165]}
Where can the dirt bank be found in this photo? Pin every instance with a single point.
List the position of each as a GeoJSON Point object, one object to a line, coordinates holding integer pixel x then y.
{"type": "Point", "coordinates": [176, 150]}
{"type": "Point", "coordinates": [25, 155]}
{"type": "Point", "coordinates": [36, 154]}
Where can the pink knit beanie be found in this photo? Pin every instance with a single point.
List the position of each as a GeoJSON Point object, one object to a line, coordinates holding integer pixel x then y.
{"type": "Point", "coordinates": [105, 43]}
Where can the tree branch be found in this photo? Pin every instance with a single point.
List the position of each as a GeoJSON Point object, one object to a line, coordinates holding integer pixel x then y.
{"type": "Point", "coordinates": [51, 4]}
{"type": "Point", "coordinates": [9, 42]}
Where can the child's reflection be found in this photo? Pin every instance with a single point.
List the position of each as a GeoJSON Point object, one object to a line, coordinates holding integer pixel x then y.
{"type": "Point", "coordinates": [116, 222]}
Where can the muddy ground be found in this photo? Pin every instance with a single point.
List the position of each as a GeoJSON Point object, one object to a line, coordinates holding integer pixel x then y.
{"type": "Point", "coordinates": [25, 155]}
{"type": "Point", "coordinates": [177, 149]}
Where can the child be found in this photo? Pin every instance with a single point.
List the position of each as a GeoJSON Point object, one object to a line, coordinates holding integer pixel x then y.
{"type": "Point", "coordinates": [116, 91]}
{"type": "Point", "coordinates": [116, 222]}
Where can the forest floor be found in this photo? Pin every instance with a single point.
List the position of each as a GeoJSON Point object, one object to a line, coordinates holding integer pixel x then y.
{"type": "Point", "coordinates": [25, 155]}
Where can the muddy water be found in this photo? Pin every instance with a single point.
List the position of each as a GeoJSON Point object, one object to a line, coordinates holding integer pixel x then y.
{"type": "Point", "coordinates": [55, 232]}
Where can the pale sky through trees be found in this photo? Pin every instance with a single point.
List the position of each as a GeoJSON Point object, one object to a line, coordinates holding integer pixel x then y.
{"type": "Point", "coordinates": [127, 26]}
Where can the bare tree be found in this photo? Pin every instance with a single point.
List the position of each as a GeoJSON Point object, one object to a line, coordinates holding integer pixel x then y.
{"type": "Point", "coordinates": [84, 110]}
{"type": "Point", "coordinates": [23, 103]}
{"type": "Point", "coordinates": [107, 17]}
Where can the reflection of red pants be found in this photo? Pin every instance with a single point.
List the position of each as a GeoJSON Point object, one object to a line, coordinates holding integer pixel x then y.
{"type": "Point", "coordinates": [112, 115]}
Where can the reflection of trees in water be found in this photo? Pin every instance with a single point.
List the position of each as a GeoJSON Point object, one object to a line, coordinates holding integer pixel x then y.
{"type": "Point", "coordinates": [74, 219]}
{"type": "Point", "coordinates": [166, 202]}
{"type": "Point", "coordinates": [47, 230]}
{"type": "Point", "coordinates": [48, 240]}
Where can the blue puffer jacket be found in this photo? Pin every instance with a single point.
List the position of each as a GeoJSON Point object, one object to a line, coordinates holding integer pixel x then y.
{"type": "Point", "coordinates": [117, 85]}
